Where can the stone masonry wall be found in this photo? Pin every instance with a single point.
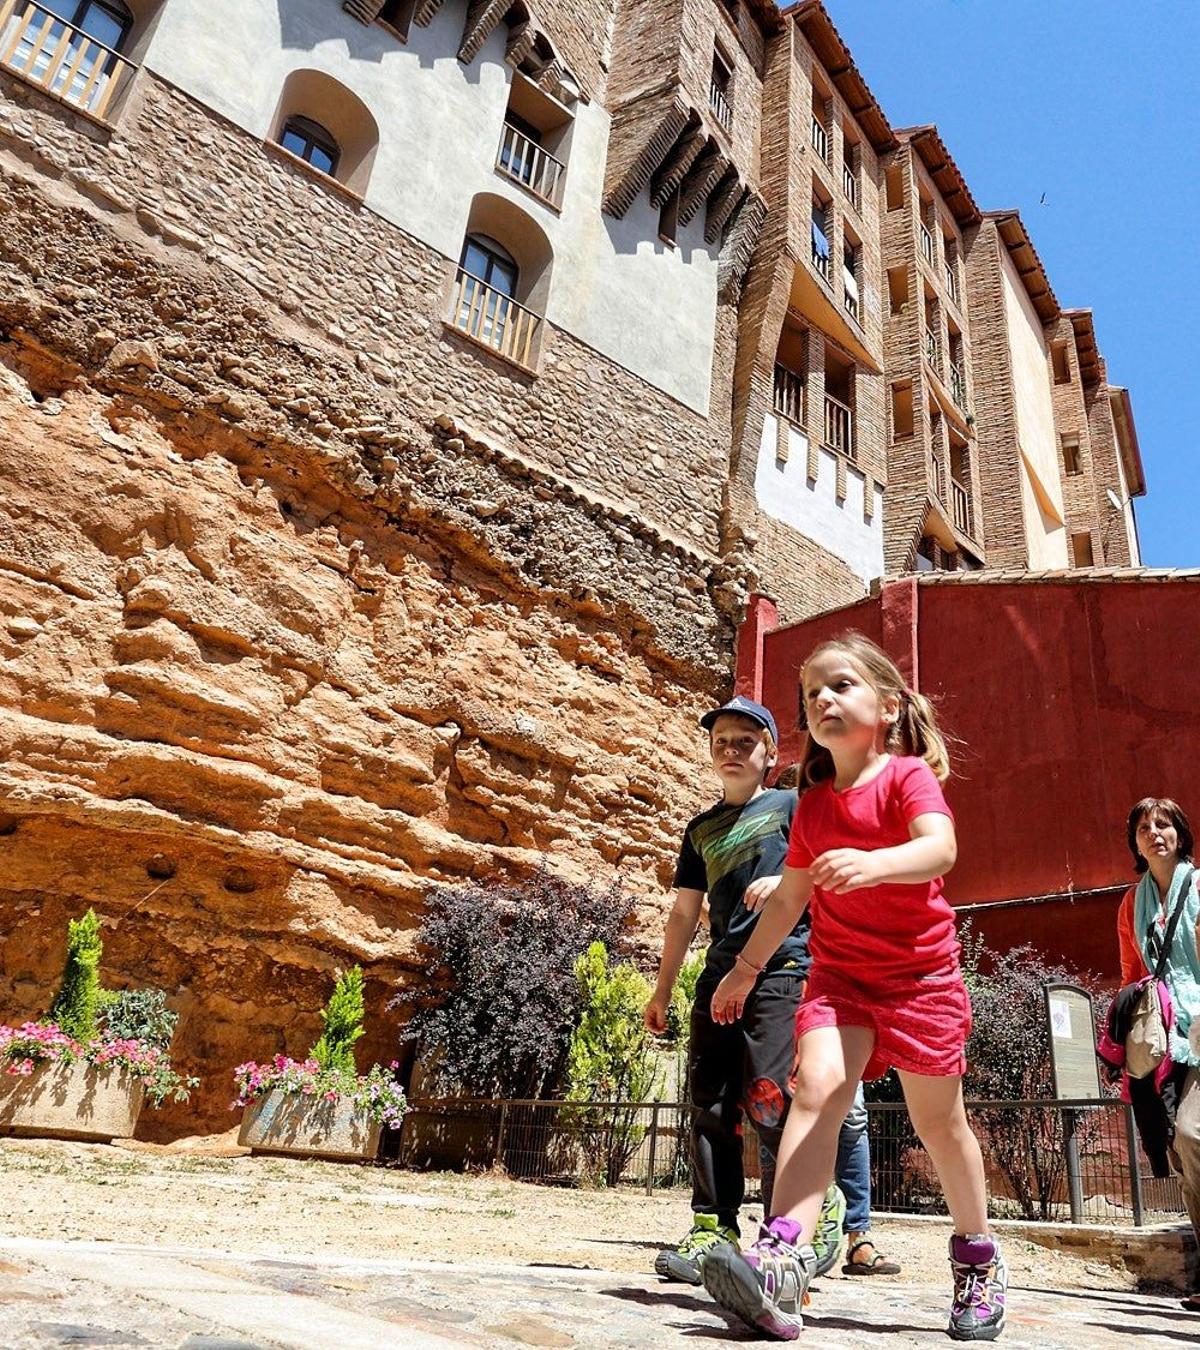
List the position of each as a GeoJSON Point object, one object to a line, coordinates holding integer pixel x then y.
{"type": "Point", "coordinates": [303, 605]}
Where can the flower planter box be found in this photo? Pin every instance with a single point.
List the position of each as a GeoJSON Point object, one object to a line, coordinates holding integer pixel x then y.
{"type": "Point", "coordinates": [308, 1127]}
{"type": "Point", "coordinates": [71, 1101]}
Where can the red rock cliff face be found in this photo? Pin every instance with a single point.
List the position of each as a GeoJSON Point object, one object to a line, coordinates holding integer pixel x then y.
{"type": "Point", "coordinates": [252, 734]}
{"type": "Point", "coordinates": [283, 645]}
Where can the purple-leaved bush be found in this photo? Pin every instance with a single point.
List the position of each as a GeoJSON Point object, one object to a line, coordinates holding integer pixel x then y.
{"type": "Point", "coordinates": [504, 998]}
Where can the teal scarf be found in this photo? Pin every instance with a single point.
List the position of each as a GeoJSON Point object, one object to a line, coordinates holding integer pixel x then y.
{"type": "Point", "coordinates": [1182, 971]}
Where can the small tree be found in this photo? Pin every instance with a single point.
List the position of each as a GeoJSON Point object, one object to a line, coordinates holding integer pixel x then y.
{"type": "Point", "coordinates": [343, 1020]}
{"type": "Point", "coordinates": [506, 998]}
{"type": "Point", "coordinates": [77, 1001]}
{"type": "Point", "coordinates": [1008, 1059]}
{"type": "Point", "coordinates": [609, 1060]}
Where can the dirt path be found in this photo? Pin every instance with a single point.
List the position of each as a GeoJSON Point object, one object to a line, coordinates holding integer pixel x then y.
{"type": "Point", "coordinates": [284, 1207]}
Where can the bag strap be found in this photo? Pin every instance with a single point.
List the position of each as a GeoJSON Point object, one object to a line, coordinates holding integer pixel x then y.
{"type": "Point", "coordinates": [1173, 923]}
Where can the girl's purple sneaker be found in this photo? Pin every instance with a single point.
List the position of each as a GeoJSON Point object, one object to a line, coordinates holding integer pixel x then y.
{"type": "Point", "coordinates": [980, 1286]}
{"type": "Point", "coordinates": [765, 1285]}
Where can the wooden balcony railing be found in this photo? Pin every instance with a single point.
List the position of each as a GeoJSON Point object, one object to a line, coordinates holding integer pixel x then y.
{"type": "Point", "coordinates": [951, 281]}
{"type": "Point", "coordinates": [935, 478]}
{"type": "Point", "coordinates": [494, 319]}
{"type": "Point", "coordinates": [960, 506]}
{"type": "Point", "coordinates": [718, 100]}
{"type": "Point", "coordinates": [926, 243]}
{"type": "Point", "coordinates": [850, 302]}
{"type": "Point", "coordinates": [820, 138]}
{"type": "Point", "coordinates": [820, 251]}
{"type": "Point", "coordinates": [850, 184]}
{"type": "Point", "coordinates": [931, 347]}
{"type": "Point", "coordinates": [525, 162]}
{"type": "Point", "coordinates": [839, 427]}
{"type": "Point", "coordinates": [788, 397]}
{"type": "Point", "coordinates": [62, 60]}
{"type": "Point", "coordinates": [958, 386]}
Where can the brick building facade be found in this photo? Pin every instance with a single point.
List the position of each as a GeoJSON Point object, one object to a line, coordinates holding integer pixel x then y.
{"type": "Point", "coordinates": [399, 400]}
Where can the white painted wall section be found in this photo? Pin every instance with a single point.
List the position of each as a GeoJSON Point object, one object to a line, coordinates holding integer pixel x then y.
{"type": "Point", "coordinates": [1041, 485]}
{"type": "Point", "coordinates": [615, 286]}
{"type": "Point", "coordinates": [786, 493]}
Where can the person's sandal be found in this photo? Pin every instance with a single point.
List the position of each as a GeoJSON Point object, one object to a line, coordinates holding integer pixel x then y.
{"type": "Point", "coordinates": [876, 1264]}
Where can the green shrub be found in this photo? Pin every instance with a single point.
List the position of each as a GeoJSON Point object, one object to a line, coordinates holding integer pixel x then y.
{"type": "Point", "coordinates": [343, 1019]}
{"type": "Point", "coordinates": [679, 1010]}
{"type": "Point", "coordinates": [137, 1015]}
{"type": "Point", "coordinates": [610, 1059]}
{"type": "Point", "coordinates": [76, 1004]}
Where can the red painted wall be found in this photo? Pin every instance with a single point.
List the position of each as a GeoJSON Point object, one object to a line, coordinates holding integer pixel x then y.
{"type": "Point", "coordinates": [1071, 699]}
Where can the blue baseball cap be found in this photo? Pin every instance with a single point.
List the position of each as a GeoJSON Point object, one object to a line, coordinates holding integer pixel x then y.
{"type": "Point", "coordinates": [744, 707]}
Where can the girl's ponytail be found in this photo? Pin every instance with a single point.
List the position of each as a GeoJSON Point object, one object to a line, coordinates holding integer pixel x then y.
{"type": "Point", "coordinates": [916, 733]}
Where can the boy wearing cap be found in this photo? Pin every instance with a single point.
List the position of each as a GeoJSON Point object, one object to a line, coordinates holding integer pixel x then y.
{"type": "Point", "coordinates": [732, 853]}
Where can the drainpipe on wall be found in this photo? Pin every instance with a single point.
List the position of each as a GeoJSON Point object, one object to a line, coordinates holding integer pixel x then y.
{"type": "Point", "coordinates": [762, 616]}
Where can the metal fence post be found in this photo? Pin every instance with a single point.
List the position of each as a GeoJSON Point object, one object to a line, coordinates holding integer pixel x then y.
{"type": "Point", "coordinates": [1135, 1165]}
{"type": "Point", "coordinates": [653, 1148]}
{"type": "Point", "coordinates": [497, 1161]}
{"type": "Point", "coordinates": [1074, 1172]}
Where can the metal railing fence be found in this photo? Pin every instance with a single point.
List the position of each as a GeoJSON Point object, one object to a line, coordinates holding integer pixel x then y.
{"type": "Point", "coordinates": [1071, 1161]}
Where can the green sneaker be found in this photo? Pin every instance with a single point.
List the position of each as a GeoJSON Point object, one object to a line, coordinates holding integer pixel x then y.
{"type": "Point", "coordinates": [683, 1262]}
{"type": "Point", "coordinates": [827, 1241]}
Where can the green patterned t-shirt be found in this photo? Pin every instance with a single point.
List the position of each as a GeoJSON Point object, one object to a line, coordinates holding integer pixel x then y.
{"type": "Point", "coordinates": [726, 848]}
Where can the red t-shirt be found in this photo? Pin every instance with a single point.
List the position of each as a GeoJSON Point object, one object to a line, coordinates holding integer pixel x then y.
{"type": "Point", "coordinates": [883, 932]}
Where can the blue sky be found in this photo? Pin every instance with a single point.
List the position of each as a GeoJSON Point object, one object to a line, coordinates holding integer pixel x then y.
{"type": "Point", "coordinates": [1093, 103]}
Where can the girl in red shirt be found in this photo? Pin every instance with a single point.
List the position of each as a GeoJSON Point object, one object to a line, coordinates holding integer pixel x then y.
{"type": "Point", "coordinates": [870, 841]}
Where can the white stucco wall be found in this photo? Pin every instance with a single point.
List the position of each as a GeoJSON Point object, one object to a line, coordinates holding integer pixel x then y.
{"type": "Point", "coordinates": [1041, 486]}
{"type": "Point", "coordinates": [785, 493]}
{"type": "Point", "coordinates": [615, 287]}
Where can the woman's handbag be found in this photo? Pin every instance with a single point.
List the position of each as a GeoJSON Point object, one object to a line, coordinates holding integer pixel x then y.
{"type": "Point", "coordinates": [1148, 1041]}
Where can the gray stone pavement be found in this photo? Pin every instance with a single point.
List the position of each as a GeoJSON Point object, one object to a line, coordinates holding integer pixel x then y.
{"type": "Point", "coordinates": [117, 1294]}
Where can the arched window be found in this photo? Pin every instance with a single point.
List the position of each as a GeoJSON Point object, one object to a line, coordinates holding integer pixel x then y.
{"type": "Point", "coordinates": [312, 143]}
{"type": "Point", "coordinates": [108, 21]}
{"type": "Point", "coordinates": [494, 266]}
{"type": "Point", "coordinates": [501, 289]}
{"type": "Point", "coordinates": [325, 124]}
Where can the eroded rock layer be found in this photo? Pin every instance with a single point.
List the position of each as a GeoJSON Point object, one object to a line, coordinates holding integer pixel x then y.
{"type": "Point", "coordinates": [283, 645]}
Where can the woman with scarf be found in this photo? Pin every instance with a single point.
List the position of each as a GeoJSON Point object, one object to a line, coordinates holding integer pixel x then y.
{"type": "Point", "coordinates": [1160, 840]}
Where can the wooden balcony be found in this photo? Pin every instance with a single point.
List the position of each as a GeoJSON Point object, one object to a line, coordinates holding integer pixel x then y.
{"type": "Point", "coordinates": [718, 101]}
{"type": "Point", "coordinates": [59, 59]}
{"type": "Point", "coordinates": [525, 162]}
{"type": "Point", "coordinates": [926, 244]}
{"type": "Point", "coordinates": [951, 281]}
{"type": "Point", "coordinates": [839, 427]}
{"type": "Point", "coordinates": [935, 479]}
{"type": "Point", "coordinates": [494, 320]}
{"type": "Point", "coordinates": [820, 139]}
{"type": "Point", "coordinates": [960, 507]}
{"type": "Point", "coordinates": [958, 386]}
{"type": "Point", "coordinates": [931, 347]}
{"type": "Point", "coordinates": [788, 395]}
{"type": "Point", "coordinates": [850, 184]}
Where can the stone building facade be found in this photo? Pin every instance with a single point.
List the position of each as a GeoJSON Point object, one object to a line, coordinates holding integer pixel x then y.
{"type": "Point", "coordinates": [398, 401]}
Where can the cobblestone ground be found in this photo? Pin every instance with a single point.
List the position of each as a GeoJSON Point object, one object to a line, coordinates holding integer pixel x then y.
{"type": "Point", "coordinates": [108, 1247]}
{"type": "Point", "coordinates": [116, 1294]}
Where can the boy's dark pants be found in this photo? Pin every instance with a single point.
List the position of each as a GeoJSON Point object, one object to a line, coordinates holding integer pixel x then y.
{"type": "Point", "coordinates": [742, 1066]}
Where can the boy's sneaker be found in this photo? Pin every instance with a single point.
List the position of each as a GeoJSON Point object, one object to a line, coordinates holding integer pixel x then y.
{"type": "Point", "coordinates": [980, 1286]}
{"type": "Point", "coordinates": [766, 1284]}
{"type": "Point", "coordinates": [683, 1262]}
{"type": "Point", "coordinates": [827, 1240]}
